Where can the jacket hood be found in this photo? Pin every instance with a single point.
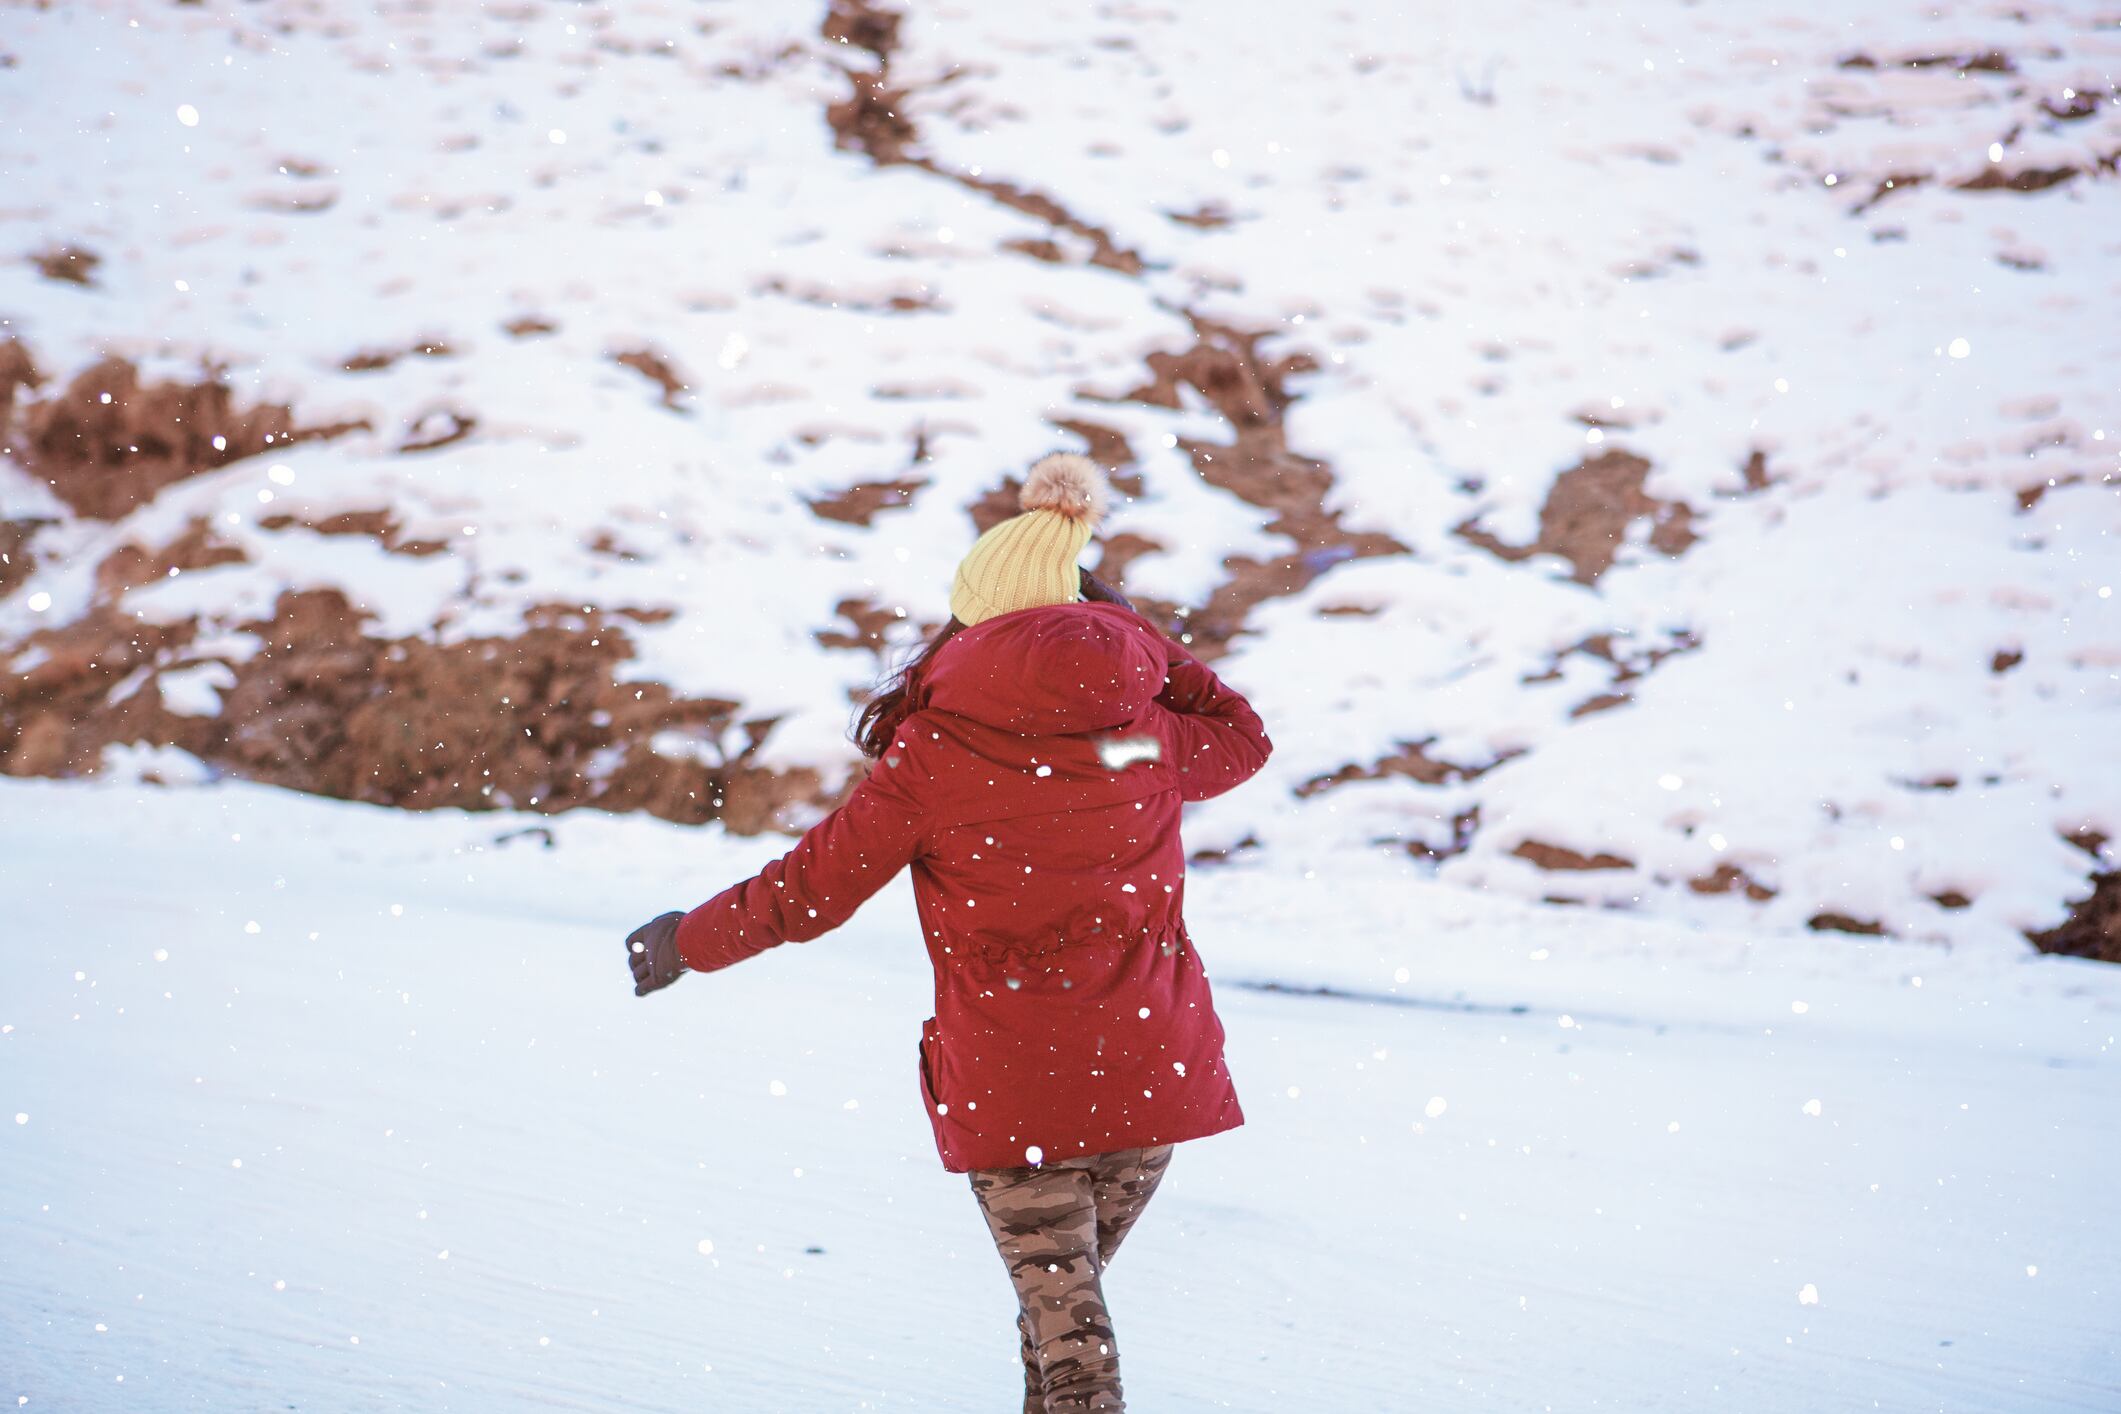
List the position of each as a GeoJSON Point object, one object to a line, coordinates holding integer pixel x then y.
{"type": "Point", "coordinates": [1051, 670]}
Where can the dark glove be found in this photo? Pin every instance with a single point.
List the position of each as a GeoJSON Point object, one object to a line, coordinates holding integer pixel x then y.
{"type": "Point", "coordinates": [652, 950]}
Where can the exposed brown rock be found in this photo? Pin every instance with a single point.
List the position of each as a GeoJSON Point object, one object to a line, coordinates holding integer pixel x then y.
{"type": "Point", "coordinates": [537, 721]}
{"type": "Point", "coordinates": [1411, 759]}
{"type": "Point", "coordinates": [859, 503]}
{"type": "Point", "coordinates": [1217, 855]}
{"type": "Point", "coordinates": [374, 360]}
{"type": "Point", "coordinates": [867, 120]}
{"type": "Point", "coordinates": [1587, 512]}
{"type": "Point", "coordinates": [1755, 471]}
{"type": "Point", "coordinates": [1212, 216]}
{"type": "Point", "coordinates": [2023, 180]}
{"type": "Point", "coordinates": [657, 370]}
{"type": "Point", "coordinates": [1727, 877]}
{"type": "Point", "coordinates": [132, 565]}
{"type": "Point", "coordinates": [2078, 105]}
{"type": "Point", "coordinates": [1889, 185]}
{"type": "Point", "coordinates": [1120, 550]}
{"type": "Point", "coordinates": [529, 326]}
{"type": "Point", "coordinates": [379, 525]}
{"type": "Point", "coordinates": [1464, 825]}
{"type": "Point", "coordinates": [1552, 856]}
{"type": "Point", "coordinates": [2029, 496]}
{"type": "Point", "coordinates": [438, 427]}
{"type": "Point", "coordinates": [57, 716]}
{"type": "Point", "coordinates": [1108, 447]}
{"type": "Point", "coordinates": [1830, 921]}
{"type": "Point", "coordinates": [1225, 367]}
{"type": "Point", "coordinates": [68, 263]}
{"type": "Point", "coordinates": [17, 370]}
{"type": "Point", "coordinates": [16, 561]}
{"type": "Point", "coordinates": [1105, 250]}
{"type": "Point", "coordinates": [864, 26]}
{"type": "Point", "coordinates": [913, 300]}
{"type": "Point", "coordinates": [2088, 839]}
{"type": "Point", "coordinates": [871, 120]}
{"type": "Point", "coordinates": [109, 442]}
{"type": "Point", "coordinates": [868, 623]}
{"type": "Point", "coordinates": [1626, 667]}
{"type": "Point", "coordinates": [1038, 248]}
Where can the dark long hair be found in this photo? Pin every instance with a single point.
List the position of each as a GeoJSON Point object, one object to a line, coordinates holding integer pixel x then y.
{"type": "Point", "coordinates": [901, 695]}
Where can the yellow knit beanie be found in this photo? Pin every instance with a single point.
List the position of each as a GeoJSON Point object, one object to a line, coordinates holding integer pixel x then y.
{"type": "Point", "coordinates": [1029, 559]}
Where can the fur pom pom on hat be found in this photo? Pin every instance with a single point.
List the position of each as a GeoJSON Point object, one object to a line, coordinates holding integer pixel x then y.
{"type": "Point", "coordinates": [1068, 484]}
{"type": "Point", "coordinates": [1029, 559]}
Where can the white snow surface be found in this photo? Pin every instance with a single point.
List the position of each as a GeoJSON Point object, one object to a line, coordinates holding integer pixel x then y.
{"type": "Point", "coordinates": [316, 1105]}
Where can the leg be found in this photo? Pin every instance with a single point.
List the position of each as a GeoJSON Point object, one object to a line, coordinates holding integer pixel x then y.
{"type": "Point", "coordinates": [1034, 1382]}
{"type": "Point", "coordinates": [1121, 1185]}
{"type": "Point", "coordinates": [1044, 1223]}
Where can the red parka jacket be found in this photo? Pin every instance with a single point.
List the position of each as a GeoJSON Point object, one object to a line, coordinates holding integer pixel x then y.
{"type": "Point", "coordinates": [1035, 789]}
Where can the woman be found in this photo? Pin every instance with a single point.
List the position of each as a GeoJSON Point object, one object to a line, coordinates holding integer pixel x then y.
{"type": "Point", "coordinates": [1030, 765]}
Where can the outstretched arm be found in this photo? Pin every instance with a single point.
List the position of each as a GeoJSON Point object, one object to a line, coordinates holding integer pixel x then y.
{"type": "Point", "coordinates": [816, 886]}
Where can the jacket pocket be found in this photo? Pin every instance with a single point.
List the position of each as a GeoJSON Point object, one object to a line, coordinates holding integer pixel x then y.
{"type": "Point", "coordinates": [938, 1116]}
{"type": "Point", "coordinates": [928, 1029]}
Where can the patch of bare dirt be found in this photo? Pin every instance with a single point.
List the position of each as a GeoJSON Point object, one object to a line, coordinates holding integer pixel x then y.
{"type": "Point", "coordinates": [1986, 61]}
{"type": "Point", "coordinates": [1250, 390]}
{"type": "Point", "coordinates": [436, 428]}
{"type": "Point", "coordinates": [380, 526]}
{"type": "Point", "coordinates": [659, 371]}
{"type": "Point", "coordinates": [867, 622]}
{"type": "Point", "coordinates": [1464, 825]}
{"type": "Point", "coordinates": [1217, 854]}
{"type": "Point", "coordinates": [132, 565]}
{"type": "Point", "coordinates": [537, 721]}
{"type": "Point", "coordinates": [109, 442]}
{"type": "Point", "coordinates": [17, 370]}
{"type": "Point", "coordinates": [67, 263]}
{"type": "Point", "coordinates": [916, 299]}
{"type": "Point", "coordinates": [1411, 760]}
{"type": "Point", "coordinates": [1627, 661]}
{"type": "Point", "coordinates": [1832, 922]}
{"type": "Point", "coordinates": [1211, 216]}
{"type": "Point", "coordinates": [529, 326]}
{"type": "Point", "coordinates": [1728, 878]}
{"type": "Point", "coordinates": [859, 503]}
{"type": "Point", "coordinates": [2093, 927]}
{"type": "Point", "coordinates": [1755, 472]}
{"type": "Point", "coordinates": [1586, 514]}
{"type": "Point", "coordinates": [16, 561]}
{"type": "Point", "coordinates": [1108, 447]}
{"type": "Point", "coordinates": [1554, 856]}
{"type": "Point", "coordinates": [375, 360]}
{"type": "Point", "coordinates": [871, 120]}
{"type": "Point", "coordinates": [2023, 180]}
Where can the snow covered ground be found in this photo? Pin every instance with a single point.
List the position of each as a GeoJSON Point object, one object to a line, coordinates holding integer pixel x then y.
{"type": "Point", "coordinates": [321, 1106]}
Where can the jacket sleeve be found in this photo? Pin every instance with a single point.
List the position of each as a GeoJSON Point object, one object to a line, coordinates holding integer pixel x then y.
{"type": "Point", "coordinates": [816, 886]}
{"type": "Point", "coordinates": [1212, 737]}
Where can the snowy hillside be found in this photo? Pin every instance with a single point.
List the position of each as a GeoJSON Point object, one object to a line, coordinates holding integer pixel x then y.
{"type": "Point", "coordinates": [1662, 460]}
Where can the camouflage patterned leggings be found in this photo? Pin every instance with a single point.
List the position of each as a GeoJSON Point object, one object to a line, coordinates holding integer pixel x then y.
{"type": "Point", "coordinates": [1057, 1227]}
